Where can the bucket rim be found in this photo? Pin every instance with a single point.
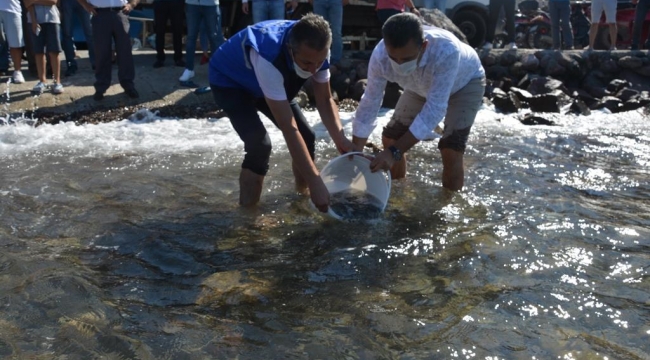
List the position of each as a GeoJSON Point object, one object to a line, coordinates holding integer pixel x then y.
{"type": "Point", "coordinates": [366, 158]}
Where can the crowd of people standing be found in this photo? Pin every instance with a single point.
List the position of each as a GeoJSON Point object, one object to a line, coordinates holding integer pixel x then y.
{"type": "Point", "coordinates": [46, 26]}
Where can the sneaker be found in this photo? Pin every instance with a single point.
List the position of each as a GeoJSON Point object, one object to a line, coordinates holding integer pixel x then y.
{"type": "Point", "coordinates": [158, 64]}
{"type": "Point", "coordinates": [487, 46]}
{"type": "Point", "coordinates": [57, 88]}
{"type": "Point", "coordinates": [612, 48]}
{"type": "Point", "coordinates": [18, 77]}
{"type": "Point", "coordinates": [187, 75]}
{"type": "Point", "coordinates": [512, 46]}
{"type": "Point", "coordinates": [99, 96]}
{"type": "Point", "coordinates": [38, 88]}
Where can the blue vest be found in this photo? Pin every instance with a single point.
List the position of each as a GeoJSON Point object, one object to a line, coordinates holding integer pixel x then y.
{"type": "Point", "coordinates": [230, 66]}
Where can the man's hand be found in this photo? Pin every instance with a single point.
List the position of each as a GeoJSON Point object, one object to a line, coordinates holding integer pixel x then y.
{"type": "Point", "coordinates": [382, 161]}
{"type": "Point", "coordinates": [128, 8]}
{"type": "Point", "coordinates": [244, 8]}
{"type": "Point", "coordinates": [319, 194]}
{"type": "Point", "coordinates": [345, 2]}
{"type": "Point", "coordinates": [344, 145]}
{"type": "Point", "coordinates": [416, 12]}
{"type": "Point", "coordinates": [89, 8]}
{"type": "Point", "coordinates": [36, 29]}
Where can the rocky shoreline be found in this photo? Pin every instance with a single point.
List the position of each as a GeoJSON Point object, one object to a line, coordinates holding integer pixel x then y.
{"type": "Point", "coordinates": [544, 81]}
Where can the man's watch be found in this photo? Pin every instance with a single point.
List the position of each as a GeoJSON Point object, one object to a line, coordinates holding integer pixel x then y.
{"type": "Point", "coordinates": [397, 153]}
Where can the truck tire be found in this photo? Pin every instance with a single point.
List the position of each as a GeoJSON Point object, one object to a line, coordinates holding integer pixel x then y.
{"type": "Point", "coordinates": [473, 25]}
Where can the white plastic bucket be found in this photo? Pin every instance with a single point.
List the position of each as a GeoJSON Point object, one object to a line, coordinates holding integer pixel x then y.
{"type": "Point", "coordinates": [351, 171]}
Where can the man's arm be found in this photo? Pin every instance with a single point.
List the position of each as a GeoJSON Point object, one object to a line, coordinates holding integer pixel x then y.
{"type": "Point", "coordinates": [130, 6]}
{"type": "Point", "coordinates": [329, 114]}
{"type": "Point", "coordinates": [299, 154]}
{"type": "Point", "coordinates": [365, 118]}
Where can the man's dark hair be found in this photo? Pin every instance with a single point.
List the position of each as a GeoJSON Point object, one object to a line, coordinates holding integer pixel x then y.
{"type": "Point", "coordinates": [401, 28]}
{"type": "Point", "coordinates": [313, 31]}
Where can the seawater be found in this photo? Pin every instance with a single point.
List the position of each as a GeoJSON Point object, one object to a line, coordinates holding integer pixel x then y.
{"type": "Point", "coordinates": [124, 240]}
{"type": "Point", "coordinates": [355, 205]}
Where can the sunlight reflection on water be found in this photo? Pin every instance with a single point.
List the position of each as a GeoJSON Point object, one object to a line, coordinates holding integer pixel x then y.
{"type": "Point", "coordinates": [125, 240]}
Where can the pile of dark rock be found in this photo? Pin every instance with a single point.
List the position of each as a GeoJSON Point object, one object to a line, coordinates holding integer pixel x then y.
{"type": "Point", "coordinates": [574, 81]}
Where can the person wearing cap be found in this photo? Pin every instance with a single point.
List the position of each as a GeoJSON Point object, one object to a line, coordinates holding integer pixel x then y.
{"type": "Point", "coordinates": [262, 68]}
{"type": "Point", "coordinates": [442, 78]}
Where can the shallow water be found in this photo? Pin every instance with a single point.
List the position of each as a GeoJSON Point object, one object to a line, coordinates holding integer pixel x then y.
{"type": "Point", "coordinates": [123, 240]}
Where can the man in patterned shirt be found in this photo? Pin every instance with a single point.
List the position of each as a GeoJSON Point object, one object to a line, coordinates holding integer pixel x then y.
{"type": "Point", "coordinates": [442, 78]}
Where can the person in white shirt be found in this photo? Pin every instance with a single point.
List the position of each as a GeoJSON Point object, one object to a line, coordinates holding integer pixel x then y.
{"type": "Point", "coordinates": [442, 78]}
{"type": "Point", "coordinates": [11, 23]}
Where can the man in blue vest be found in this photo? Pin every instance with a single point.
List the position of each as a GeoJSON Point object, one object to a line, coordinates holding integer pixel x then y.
{"type": "Point", "coordinates": [262, 68]}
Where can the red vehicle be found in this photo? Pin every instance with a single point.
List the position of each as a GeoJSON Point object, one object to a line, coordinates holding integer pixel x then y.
{"type": "Point", "coordinates": [625, 12]}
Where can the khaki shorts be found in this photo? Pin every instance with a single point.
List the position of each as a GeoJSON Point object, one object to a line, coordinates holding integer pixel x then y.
{"type": "Point", "coordinates": [461, 112]}
{"type": "Point", "coordinates": [608, 6]}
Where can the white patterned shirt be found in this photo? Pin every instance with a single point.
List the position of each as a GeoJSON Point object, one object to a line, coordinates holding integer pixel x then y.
{"type": "Point", "coordinates": [445, 67]}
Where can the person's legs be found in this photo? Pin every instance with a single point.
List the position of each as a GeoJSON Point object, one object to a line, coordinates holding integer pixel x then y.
{"type": "Point", "coordinates": [66, 34]}
{"type": "Point", "coordinates": [56, 66]}
{"type": "Point", "coordinates": [242, 112]}
{"type": "Point", "coordinates": [493, 18]}
{"type": "Point", "coordinates": [554, 13]}
{"type": "Point", "coordinates": [336, 23]}
{"type": "Point", "coordinates": [161, 12]}
{"type": "Point", "coordinates": [193, 15]}
{"type": "Point", "coordinates": [4, 52]}
{"type": "Point", "coordinates": [84, 19]}
{"type": "Point", "coordinates": [103, 40]}
{"type": "Point", "coordinates": [177, 16]}
{"type": "Point", "coordinates": [407, 109]}
{"type": "Point", "coordinates": [461, 113]}
{"type": "Point", "coordinates": [211, 15]}
{"type": "Point", "coordinates": [219, 31]}
{"type": "Point", "coordinates": [276, 10]}
{"type": "Point", "coordinates": [597, 8]}
{"type": "Point", "coordinates": [125, 65]}
{"type": "Point", "coordinates": [565, 18]}
{"type": "Point", "coordinates": [639, 17]}
{"type": "Point", "coordinates": [260, 11]}
{"type": "Point", "coordinates": [510, 7]}
{"type": "Point", "coordinates": [50, 32]}
{"type": "Point", "coordinates": [610, 16]}
{"type": "Point", "coordinates": [13, 28]}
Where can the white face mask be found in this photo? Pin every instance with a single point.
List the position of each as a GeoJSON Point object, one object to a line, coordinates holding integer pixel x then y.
{"type": "Point", "coordinates": [405, 68]}
{"type": "Point", "coordinates": [300, 72]}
